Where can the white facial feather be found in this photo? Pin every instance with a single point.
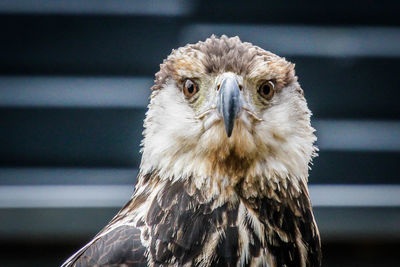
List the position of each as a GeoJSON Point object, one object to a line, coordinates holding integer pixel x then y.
{"type": "Point", "coordinates": [179, 145]}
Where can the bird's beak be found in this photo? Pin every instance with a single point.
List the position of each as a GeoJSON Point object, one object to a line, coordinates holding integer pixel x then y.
{"type": "Point", "coordinates": [229, 102]}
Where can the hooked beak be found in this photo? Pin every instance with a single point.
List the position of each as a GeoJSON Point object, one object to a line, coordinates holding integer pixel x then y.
{"type": "Point", "coordinates": [229, 102]}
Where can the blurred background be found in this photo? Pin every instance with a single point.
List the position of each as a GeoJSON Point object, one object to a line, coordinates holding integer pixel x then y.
{"type": "Point", "coordinates": [74, 85]}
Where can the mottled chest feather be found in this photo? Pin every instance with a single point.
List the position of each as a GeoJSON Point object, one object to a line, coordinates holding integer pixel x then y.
{"type": "Point", "coordinates": [173, 224]}
{"type": "Point", "coordinates": [183, 227]}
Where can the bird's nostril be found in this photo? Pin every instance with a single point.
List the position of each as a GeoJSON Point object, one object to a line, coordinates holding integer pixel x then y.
{"type": "Point", "coordinates": [218, 86]}
{"type": "Point", "coordinates": [240, 87]}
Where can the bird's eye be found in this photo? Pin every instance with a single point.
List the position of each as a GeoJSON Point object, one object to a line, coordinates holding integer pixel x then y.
{"type": "Point", "coordinates": [190, 88]}
{"type": "Point", "coordinates": [266, 90]}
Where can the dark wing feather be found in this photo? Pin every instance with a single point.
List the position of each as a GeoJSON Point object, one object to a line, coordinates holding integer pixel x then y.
{"type": "Point", "coordinates": [121, 246]}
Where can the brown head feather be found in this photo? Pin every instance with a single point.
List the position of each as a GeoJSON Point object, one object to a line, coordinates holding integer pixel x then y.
{"type": "Point", "coordinates": [218, 55]}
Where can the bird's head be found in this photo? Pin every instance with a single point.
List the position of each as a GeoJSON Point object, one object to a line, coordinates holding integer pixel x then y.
{"type": "Point", "coordinates": [226, 108]}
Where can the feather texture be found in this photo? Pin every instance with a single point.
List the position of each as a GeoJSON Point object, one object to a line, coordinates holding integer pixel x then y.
{"type": "Point", "coordinates": [181, 226]}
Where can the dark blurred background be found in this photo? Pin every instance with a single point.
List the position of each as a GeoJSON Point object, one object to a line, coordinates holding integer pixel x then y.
{"type": "Point", "coordinates": [74, 85]}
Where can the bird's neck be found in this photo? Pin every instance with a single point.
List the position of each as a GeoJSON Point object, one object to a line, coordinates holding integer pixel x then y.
{"type": "Point", "coordinates": [222, 188]}
{"type": "Point", "coordinates": [220, 176]}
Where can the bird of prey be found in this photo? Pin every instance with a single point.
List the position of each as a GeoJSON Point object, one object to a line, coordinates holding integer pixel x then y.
{"type": "Point", "coordinates": [225, 157]}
